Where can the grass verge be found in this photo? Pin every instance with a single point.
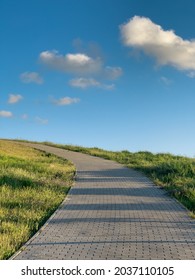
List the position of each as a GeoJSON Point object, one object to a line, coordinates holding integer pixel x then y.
{"type": "Point", "coordinates": [32, 186]}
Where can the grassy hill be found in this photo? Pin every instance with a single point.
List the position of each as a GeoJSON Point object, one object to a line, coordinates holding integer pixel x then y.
{"type": "Point", "coordinates": [33, 184]}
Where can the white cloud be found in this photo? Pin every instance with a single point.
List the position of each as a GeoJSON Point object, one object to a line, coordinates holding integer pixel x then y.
{"type": "Point", "coordinates": [41, 121]}
{"type": "Point", "coordinates": [164, 45]}
{"type": "Point", "coordinates": [31, 77]}
{"type": "Point", "coordinates": [113, 72]}
{"type": "Point", "coordinates": [14, 98]}
{"type": "Point", "coordinates": [89, 82]}
{"type": "Point", "coordinates": [84, 83]}
{"type": "Point", "coordinates": [65, 101]}
{"type": "Point", "coordinates": [78, 63]}
{"type": "Point", "coordinates": [6, 114]}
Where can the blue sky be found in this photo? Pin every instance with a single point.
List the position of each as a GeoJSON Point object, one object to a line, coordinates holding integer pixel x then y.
{"type": "Point", "coordinates": [105, 73]}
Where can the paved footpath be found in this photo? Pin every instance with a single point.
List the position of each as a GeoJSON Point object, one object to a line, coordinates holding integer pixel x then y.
{"type": "Point", "coordinates": [112, 212]}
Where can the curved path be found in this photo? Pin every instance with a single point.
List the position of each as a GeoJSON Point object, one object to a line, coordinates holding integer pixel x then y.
{"type": "Point", "coordinates": [112, 212]}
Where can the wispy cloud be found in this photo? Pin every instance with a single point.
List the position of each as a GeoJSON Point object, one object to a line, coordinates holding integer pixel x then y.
{"type": "Point", "coordinates": [191, 74]}
{"type": "Point", "coordinates": [14, 98]}
{"type": "Point", "coordinates": [164, 45]}
{"type": "Point", "coordinates": [31, 77]}
{"type": "Point", "coordinates": [41, 121]}
{"type": "Point", "coordinates": [65, 101]}
{"type": "Point", "coordinates": [78, 63]}
{"type": "Point", "coordinates": [165, 80]}
{"type": "Point", "coordinates": [24, 116]}
{"type": "Point", "coordinates": [84, 83]}
{"type": "Point", "coordinates": [108, 87]}
{"type": "Point", "coordinates": [83, 65]}
{"type": "Point", "coordinates": [92, 49]}
{"type": "Point", "coordinates": [6, 114]}
{"type": "Point", "coordinates": [113, 73]}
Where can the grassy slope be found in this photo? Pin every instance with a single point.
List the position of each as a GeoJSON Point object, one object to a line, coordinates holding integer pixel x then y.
{"type": "Point", "coordinates": [32, 185]}
{"type": "Point", "coordinates": [175, 173]}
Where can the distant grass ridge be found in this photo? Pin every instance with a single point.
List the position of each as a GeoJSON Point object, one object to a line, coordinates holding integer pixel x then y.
{"type": "Point", "coordinates": [32, 186]}
{"type": "Point", "coordinates": [175, 173]}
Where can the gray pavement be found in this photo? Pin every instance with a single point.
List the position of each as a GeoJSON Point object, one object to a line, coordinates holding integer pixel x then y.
{"type": "Point", "coordinates": [112, 212]}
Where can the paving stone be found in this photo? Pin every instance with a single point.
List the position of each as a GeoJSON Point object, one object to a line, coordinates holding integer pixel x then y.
{"type": "Point", "coordinates": [112, 212]}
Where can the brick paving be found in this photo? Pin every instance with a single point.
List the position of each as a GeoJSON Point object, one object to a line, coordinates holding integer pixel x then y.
{"type": "Point", "coordinates": [112, 212]}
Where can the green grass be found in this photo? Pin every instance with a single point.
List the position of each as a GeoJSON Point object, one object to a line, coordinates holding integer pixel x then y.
{"type": "Point", "coordinates": [175, 173]}
{"type": "Point", "coordinates": [32, 186]}
{"type": "Point", "coordinates": [34, 183]}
